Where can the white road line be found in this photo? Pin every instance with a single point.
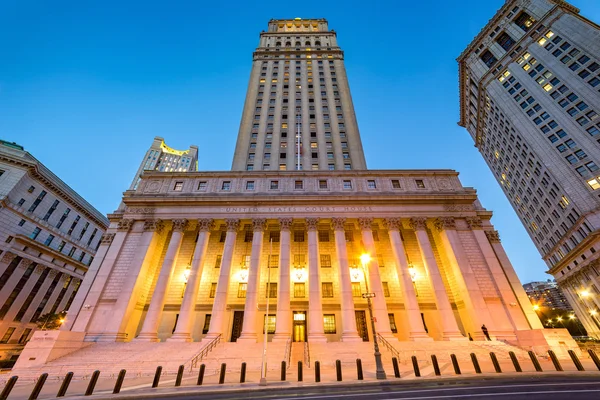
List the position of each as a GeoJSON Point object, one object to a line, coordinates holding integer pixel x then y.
{"type": "Point", "coordinates": [460, 396]}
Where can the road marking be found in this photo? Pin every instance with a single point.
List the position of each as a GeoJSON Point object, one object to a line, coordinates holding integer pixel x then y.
{"type": "Point", "coordinates": [459, 396]}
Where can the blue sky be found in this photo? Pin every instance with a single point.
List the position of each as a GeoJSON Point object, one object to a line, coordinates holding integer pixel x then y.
{"type": "Point", "coordinates": [86, 85]}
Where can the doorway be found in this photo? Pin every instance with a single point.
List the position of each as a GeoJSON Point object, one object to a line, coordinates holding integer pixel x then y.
{"type": "Point", "coordinates": [238, 322]}
{"type": "Point", "coordinates": [299, 326]}
{"type": "Point", "coordinates": [361, 325]}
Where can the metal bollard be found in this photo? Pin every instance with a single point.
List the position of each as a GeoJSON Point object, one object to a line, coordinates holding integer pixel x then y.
{"type": "Point", "coordinates": [317, 371]}
{"type": "Point", "coordinates": [359, 371]}
{"type": "Point", "coordinates": [10, 384]}
{"type": "Point", "coordinates": [243, 373]}
{"type": "Point", "coordinates": [436, 365]}
{"type": "Point", "coordinates": [576, 361]}
{"type": "Point", "coordinates": [93, 380]}
{"type": "Point", "coordinates": [201, 374]}
{"type": "Point", "coordinates": [555, 360]}
{"type": "Point", "coordinates": [475, 363]}
{"type": "Point", "coordinates": [64, 385]}
{"type": "Point", "coordinates": [515, 362]}
{"type": "Point", "coordinates": [300, 371]}
{"type": "Point", "coordinates": [415, 364]}
{"type": "Point", "coordinates": [338, 370]}
{"type": "Point", "coordinates": [396, 368]}
{"type": "Point", "coordinates": [119, 381]}
{"type": "Point", "coordinates": [495, 362]}
{"type": "Point", "coordinates": [179, 376]}
{"type": "Point", "coordinates": [222, 374]}
{"type": "Point", "coordinates": [455, 364]}
{"type": "Point", "coordinates": [283, 370]}
{"type": "Point", "coordinates": [535, 361]}
{"type": "Point", "coordinates": [157, 376]}
{"type": "Point", "coordinates": [594, 358]}
{"type": "Point", "coordinates": [38, 387]}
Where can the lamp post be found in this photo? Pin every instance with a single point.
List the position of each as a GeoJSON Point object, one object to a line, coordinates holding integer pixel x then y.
{"type": "Point", "coordinates": [380, 372]}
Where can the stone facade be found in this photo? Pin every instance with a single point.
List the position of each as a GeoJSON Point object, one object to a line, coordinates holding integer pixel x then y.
{"type": "Point", "coordinates": [529, 86]}
{"type": "Point", "coordinates": [48, 238]}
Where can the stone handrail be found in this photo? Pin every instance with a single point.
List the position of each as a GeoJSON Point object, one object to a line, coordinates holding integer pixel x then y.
{"type": "Point", "coordinates": [204, 352]}
{"type": "Point", "coordinates": [288, 351]}
{"type": "Point", "coordinates": [307, 354]}
{"type": "Point", "coordinates": [388, 346]}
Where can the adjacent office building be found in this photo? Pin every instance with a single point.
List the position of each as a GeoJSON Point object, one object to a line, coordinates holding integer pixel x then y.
{"type": "Point", "coordinates": [529, 97]}
{"type": "Point", "coordinates": [547, 294]}
{"type": "Point", "coordinates": [48, 238]}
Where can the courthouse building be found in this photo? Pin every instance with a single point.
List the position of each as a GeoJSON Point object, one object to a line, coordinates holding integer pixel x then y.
{"type": "Point", "coordinates": [302, 229]}
{"type": "Point", "coordinates": [529, 97]}
{"type": "Point", "coordinates": [48, 238]}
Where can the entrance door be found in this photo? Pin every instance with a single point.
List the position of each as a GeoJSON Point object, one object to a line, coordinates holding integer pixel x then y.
{"type": "Point", "coordinates": [238, 321]}
{"type": "Point", "coordinates": [361, 325]}
{"type": "Point", "coordinates": [299, 326]}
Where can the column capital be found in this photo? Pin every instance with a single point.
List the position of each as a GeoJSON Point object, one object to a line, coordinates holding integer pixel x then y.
{"type": "Point", "coordinates": [444, 223]}
{"type": "Point", "coordinates": [153, 225]}
{"type": "Point", "coordinates": [8, 257]}
{"type": "Point", "coordinates": [474, 222]}
{"type": "Point", "coordinates": [206, 224]}
{"type": "Point", "coordinates": [125, 224]}
{"type": "Point", "coordinates": [392, 224]}
{"type": "Point", "coordinates": [312, 223]}
{"type": "Point", "coordinates": [338, 223]}
{"type": "Point", "coordinates": [418, 224]}
{"type": "Point", "coordinates": [180, 225]}
{"type": "Point", "coordinates": [52, 273]}
{"type": "Point", "coordinates": [493, 236]}
{"type": "Point", "coordinates": [39, 269]}
{"type": "Point", "coordinates": [285, 223]}
{"type": "Point", "coordinates": [365, 223]}
{"type": "Point", "coordinates": [107, 238]}
{"type": "Point", "coordinates": [259, 224]}
{"type": "Point", "coordinates": [25, 263]}
{"type": "Point", "coordinates": [232, 224]}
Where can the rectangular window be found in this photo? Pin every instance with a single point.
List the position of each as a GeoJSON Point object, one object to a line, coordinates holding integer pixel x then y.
{"type": "Point", "coordinates": [347, 185]}
{"type": "Point", "coordinates": [329, 323]}
{"type": "Point", "coordinates": [356, 290]}
{"type": "Point", "coordinates": [371, 184]}
{"type": "Point", "coordinates": [24, 336]}
{"type": "Point", "coordinates": [505, 41]}
{"type": "Point", "coordinates": [22, 222]}
{"type": "Point", "coordinates": [218, 260]}
{"type": "Point", "coordinates": [35, 233]}
{"type": "Point", "coordinates": [420, 184]}
{"type": "Point", "coordinates": [242, 290]}
{"type": "Point", "coordinates": [298, 236]}
{"type": "Point", "coordinates": [63, 217]}
{"type": "Point", "coordinates": [213, 290]}
{"type": "Point", "coordinates": [206, 326]}
{"type": "Point", "coordinates": [327, 289]}
{"type": "Point", "coordinates": [524, 21]}
{"type": "Point", "coordinates": [298, 185]}
{"type": "Point", "coordinates": [37, 201]}
{"type": "Point", "coordinates": [396, 184]}
{"type": "Point", "coordinates": [226, 186]}
{"type": "Point", "coordinates": [271, 322]}
{"type": "Point", "coordinates": [51, 210]}
{"type": "Point", "coordinates": [271, 290]}
{"type": "Point", "coordinates": [386, 289]}
{"type": "Point", "coordinates": [488, 58]}
{"type": "Point", "coordinates": [178, 186]}
{"type": "Point", "coordinates": [250, 185]}
{"type": "Point", "coordinates": [325, 260]}
{"type": "Point", "coordinates": [322, 184]}
{"type": "Point", "coordinates": [7, 335]}
{"type": "Point", "coordinates": [392, 320]}
{"type": "Point", "coordinates": [299, 290]}
{"type": "Point", "coordinates": [274, 185]}
{"type": "Point", "coordinates": [202, 185]}
{"type": "Point", "coordinates": [49, 240]}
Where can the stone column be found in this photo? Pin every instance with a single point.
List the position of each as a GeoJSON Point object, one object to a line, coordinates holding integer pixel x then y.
{"type": "Point", "coordinates": [468, 287]}
{"type": "Point", "coordinates": [284, 315]}
{"type": "Point", "coordinates": [118, 320]}
{"type": "Point", "coordinates": [582, 310]}
{"type": "Point", "coordinates": [14, 278]}
{"type": "Point", "coordinates": [349, 332]}
{"type": "Point", "coordinates": [450, 329]}
{"type": "Point", "coordinates": [18, 302]}
{"type": "Point", "coordinates": [149, 332]}
{"type": "Point", "coordinates": [316, 330]}
{"type": "Point", "coordinates": [95, 279]}
{"type": "Point", "coordinates": [7, 258]}
{"type": "Point", "coordinates": [183, 329]}
{"type": "Point", "coordinates": [380, 312]}
{"type": "Point", "coordinates": [35, 303]}
{"type": "Point", "coordinates": [416, 331]}
{"type": "Point", "coordinates": [492, 238]}
{"type": "Point", "coordinates": [220, 303]}
{"type": "Point", "coordinates": [248, 334]}
{"type": "Point", "coordinates": [73, 286]}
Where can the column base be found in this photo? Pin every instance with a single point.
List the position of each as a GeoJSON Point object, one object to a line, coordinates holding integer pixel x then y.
{"type": "Point", "coordinates": [146, 337]}
{"type": "Point", "coordinates": [247, 338]}
{"type": "Point", "coordinates": [180, 337]}
{"type": "Point", "coordinates": [280, 337]}
{"type": "Point", "coordinates": [317, 338]}
{"type": "Point", "coordinates": [105, 337]}
{"type": "Point", "coordinates": [212, 336]}
{"type": "Point", "coordinates": [419, 337]}
{"type": "Point", "coordinates": [454, 336]}
{"type": "Point", "coordinates": [351, 338]}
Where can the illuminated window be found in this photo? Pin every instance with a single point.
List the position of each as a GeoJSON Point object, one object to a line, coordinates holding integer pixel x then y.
{"type": "Point", "coordinates": [594, 183]}
{"type": "Point", "coordinates": [325, 258]}
{"type": "Point", "coordinates": [356, 290]}
{"type": "Point", "coordinates": [524, 21]}
{"type": "Point", "coordinates": [242, 287]}
{"type": "Point", "coordinates": [270, 324]}
{"type": "Point", "coordinates": [386, 289]}
{"type": "Point", "coordinates": [213, 290]}
{"type": "Point", "coordinates": [299, 290]}
{"type": "Point", "coordinates": [327, 289]}
{"type": "Point", "coordinates": [329, 323]}
{"type": "Point", "coordinates": [271, 291]}
{"type": "Point", "coordinates": [392, 320]}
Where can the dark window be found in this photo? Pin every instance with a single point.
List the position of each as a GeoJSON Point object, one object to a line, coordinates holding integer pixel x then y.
{"type": "Point", "coordinates": [488, 58]}
{"type": "Point", "coordinates": [524, 21]}
{"type": "Point", "coordinates": [505, 41]}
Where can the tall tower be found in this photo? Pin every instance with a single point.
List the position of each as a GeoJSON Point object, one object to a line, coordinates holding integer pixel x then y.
{"type": "Point", "coordinates": [297, 84]}
{"type": "Point", "coordinates": [529, 86]}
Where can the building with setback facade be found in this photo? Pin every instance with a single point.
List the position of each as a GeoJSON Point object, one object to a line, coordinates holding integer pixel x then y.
{"type": "Point", "coordinates": [48, 238]}
{"type": "Point", "coordinates": [547, 294]}
{"type": "Point", "coordinates": [529, 96]}
{"type": "Point", "coordinates": [201, 256]}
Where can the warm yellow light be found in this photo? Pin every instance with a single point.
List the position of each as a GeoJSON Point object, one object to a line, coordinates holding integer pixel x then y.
{"type": "Point", "coordinates": [547, 87]}
{"type": "Point", "coordinates": [62, 320]}
{"type": "Point", "coordinates": [571, 316]}
{"type": "Point", "coordinates": [365, 258]}
{"type": "Point", "coordinates": [593, 312]}
{"type": "Point", "coordinates": [585, 293]}
{"type": "Point", "coordinates": [559, 318]}
{"type": "Point", "coordinates": [186, 274]}
{"type": "Point", "coordinates": [536, 307]}
{"type": "Point", "coordinates": [542, 41]}
{"type": "Point", "coordinates": [413, 273]}
{"type": "Point", "coordinates": [169, 150]}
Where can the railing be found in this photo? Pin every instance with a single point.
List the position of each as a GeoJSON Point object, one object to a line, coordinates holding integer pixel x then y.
{"type": "Point", "coordinates": [288, 351]}
{"type": "Point", "coordinates": [307, 354]}
{"type": "Point", "coordinates": [205, 350]}
{"type": "Point", "coordinates": [388, 346]}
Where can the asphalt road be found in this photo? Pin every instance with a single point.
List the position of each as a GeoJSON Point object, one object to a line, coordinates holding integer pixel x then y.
{"type": "Point", "coordinates": [537, 388]}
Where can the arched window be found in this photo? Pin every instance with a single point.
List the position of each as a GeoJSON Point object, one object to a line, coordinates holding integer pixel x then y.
{"type": "Point", "coordinates": [317, 43]}
{"type": "Point", "coordinates": [278, 44]}
{"type": "Point", "coordinates": [288, 44]}
{"type": "Point", "coordinates": [298, 44]}
{"type": "Point", "coordinates": [307, 44]}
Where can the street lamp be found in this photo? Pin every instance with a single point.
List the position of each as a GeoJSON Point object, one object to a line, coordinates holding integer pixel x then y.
{"type": "Point", "coordinates": [380, 372]}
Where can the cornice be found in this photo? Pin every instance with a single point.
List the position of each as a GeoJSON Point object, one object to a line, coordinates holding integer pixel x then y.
{"type": "Point", "coordinates": [573, 253]}
{"type": "Point", "coordinates": [55, 254]}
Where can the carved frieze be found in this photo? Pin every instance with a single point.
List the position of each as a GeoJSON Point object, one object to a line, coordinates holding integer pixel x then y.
{"type": "Point", "coordinates": [458, 207]}
{"type": "Point", "coordinates": [493, 236]}
{"type": "Point", "coordinates": [139, 210]}
{"type": "Point", "coordinates": [444, 223]}
{"type": "Point", "coordinates": [153, 225]}
{"type": "Point", "coordinates": [418, 224]}
{"type": "Point", "coordinates": [338, 223]}
{"type": "Point", "coordinates": [365, 223]}
{"type": "Point", "coordinates": [206, 225]}
{"type": "Point", "coordinates": [232, 225]}
{"type": "Point", "coordinates": [444, 184]}
{"type": "Point", "coordinates": [153, 187]}
{"type": "Point", "coordinates": [125, 224]}
{"type": "Point", "coordinates": [107, 238]}
{"type": "Point", "coordinates": [474, 223]}
{"type": "Point", "coordinates": [180, 225]}
{"type": "Point", "coordinates": [285, 223]}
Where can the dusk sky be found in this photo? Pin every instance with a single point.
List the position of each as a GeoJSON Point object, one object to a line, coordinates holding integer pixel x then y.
{"type": "Point", "coordinates": [85, 86]}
